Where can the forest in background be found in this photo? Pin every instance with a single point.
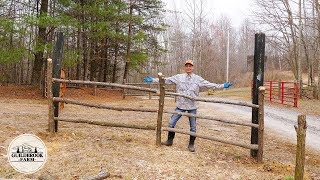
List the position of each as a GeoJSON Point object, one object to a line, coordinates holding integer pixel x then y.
{"type": "Point", "coordinates": [102, 37]}
{"type": "Point", "coordinates": [113, 40]}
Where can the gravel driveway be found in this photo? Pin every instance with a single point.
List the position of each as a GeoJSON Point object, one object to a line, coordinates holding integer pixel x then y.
{"type": "Point", "coordinates": [280, 121]}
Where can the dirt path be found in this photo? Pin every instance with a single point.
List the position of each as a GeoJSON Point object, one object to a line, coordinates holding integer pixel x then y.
{"type": "Point", "coordinates": [280, 121]}
{"type": "Point", "coordinates": [81, 150]}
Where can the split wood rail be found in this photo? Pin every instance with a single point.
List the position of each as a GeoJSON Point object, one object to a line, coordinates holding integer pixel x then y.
{"type": "Point", "coordinates": [54, 116]}
{"type": "Point", "coordinates": [169, 88]}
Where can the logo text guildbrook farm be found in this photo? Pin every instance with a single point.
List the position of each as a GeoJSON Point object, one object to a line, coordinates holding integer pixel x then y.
{"type": "Point", "coordinates": [27, 153]}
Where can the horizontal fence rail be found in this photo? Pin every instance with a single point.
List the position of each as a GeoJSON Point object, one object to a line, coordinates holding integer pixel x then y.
{"type": "Point", "coordinates": [239, 103]}
{"type": "Point", "coordinates": [130, 92]}
{"type": "Point", "coordinates": [103, 123]}
{"type": "Point", "coordinates": [160, 91]}
{"type": "Point", "coordinates": [252, 146]}
{"type": "Point", "coordinates": [101, 106]}
{"type": "Point", "coordinates": [105, 84]}
{"type": "Point", "coordinates": [212, 118]}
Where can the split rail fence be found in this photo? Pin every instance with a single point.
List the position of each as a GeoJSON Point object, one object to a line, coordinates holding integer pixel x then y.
{"type": "Point", "coordinates": [130, 92]}
{"type": "Point", "coordinates": [54, 115]}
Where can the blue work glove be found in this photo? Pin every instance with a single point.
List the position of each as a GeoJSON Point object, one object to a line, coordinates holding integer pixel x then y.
{"type": "Point", "coordinates": [227, 84]}
{"type": "Point", "coordinates": [148, 79]}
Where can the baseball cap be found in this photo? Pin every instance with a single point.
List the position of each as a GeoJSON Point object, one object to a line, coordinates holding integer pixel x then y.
{"type": "Point", "coordinates": [188, 62]}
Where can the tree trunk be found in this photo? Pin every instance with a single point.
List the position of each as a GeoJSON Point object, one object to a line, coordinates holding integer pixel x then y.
{"type": "Point", "coordinates": [101, 60]}
{"type": "Point", "coordinates": [41, 41]}
{"type": "Point", "coordinates": [85, 56]}
{"type": "Point", "coordinates": [114, 71]}
{"type": "Point", "coordinates": [94, 61]}
{"type": "Point", "coordinates": [300, 51]}
{"type": "Point", "coordinates": [126, 67]}
{"type": "Point", "coordinates": [318, 24]}
{"type": "Point", "coordinates": [106, 61]}
{"type": "Point", "coordinates": [84, 42]}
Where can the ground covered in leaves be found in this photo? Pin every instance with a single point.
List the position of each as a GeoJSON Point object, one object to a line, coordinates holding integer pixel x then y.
{"type": "Point", "coordinates": [82, 150]}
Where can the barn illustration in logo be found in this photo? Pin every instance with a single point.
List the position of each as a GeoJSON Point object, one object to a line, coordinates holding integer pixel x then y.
{"type": "Point", "coordinates": [27, 153]}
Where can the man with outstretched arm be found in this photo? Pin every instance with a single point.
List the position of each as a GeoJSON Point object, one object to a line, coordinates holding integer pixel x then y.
{"type": "Point", "coordinates": [186, 84]}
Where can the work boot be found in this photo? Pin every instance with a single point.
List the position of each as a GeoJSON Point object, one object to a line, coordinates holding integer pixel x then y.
{"type": "Point", "coordinates": [169, 142]}
{"type": "Point", "coordinates": [191, 144]}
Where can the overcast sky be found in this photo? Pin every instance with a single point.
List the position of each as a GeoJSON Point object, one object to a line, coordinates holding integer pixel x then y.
{"type": "Point", "coordinates": [237, 10]}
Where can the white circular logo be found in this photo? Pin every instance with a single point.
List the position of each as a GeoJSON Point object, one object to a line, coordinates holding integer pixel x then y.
{"type": "Point", "coordinates": [27, 153]}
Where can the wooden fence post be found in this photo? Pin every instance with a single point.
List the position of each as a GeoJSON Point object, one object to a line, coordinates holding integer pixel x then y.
{"type": "Point", "coordinates": [258, 79]}
{"type": "Point", "coordinates": [51, 124]}
{"type": "Point", "coordinates": [56, 72]}
{"type": "Point", "coordinates": [261, 123]}
{"type": "Point", "coordinates": [160, 110]}
{"type": "Point", "coordinates": [300, 153]}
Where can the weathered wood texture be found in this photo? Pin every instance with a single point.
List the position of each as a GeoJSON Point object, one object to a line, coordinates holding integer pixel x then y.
{"type": "Point", "coordinates": [261, 123]}
{"type": "Point", "coordinates": [301, 143]}
{"type": "Point", "coordinates": [213, 118]}
{"type": "Point", "coordinates": [160, 111]}
{"type": "Point", "coordinates": [69, 101]}
{"type": "Point", "coordinates": [51, 127]}
{"type": "Point", "coordinates": [258, 79]}
{"type": "Point", "coordinates": [105, 84]}
{"type": "Point", "coordinates": [103, 123]}
{"type": "Point", "coordinates": [56, 71]}
{"type": "Point", "coordinates": [63, 89]}
{"type": "Point", "coordinates": [248, 146]}
{"type": "Point", "coordinates": [161, 92]}
{"type": "Point", "coordinates": [239, 103]}
{"type": "Point", "coordinates": [101, 106]}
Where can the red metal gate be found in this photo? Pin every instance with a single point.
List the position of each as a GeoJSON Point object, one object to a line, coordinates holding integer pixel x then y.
{"type": "Point", "coordinates": [282, 92]}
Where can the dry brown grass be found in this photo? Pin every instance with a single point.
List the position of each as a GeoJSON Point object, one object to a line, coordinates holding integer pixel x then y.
{"type": "Point", "coordinates": [81, 150]}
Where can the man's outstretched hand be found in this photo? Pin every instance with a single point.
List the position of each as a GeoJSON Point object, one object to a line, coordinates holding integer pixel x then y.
{"type": "Point", "coordinates": [148, 79]}
{"type": "Point", "coordinates": [227, 84]}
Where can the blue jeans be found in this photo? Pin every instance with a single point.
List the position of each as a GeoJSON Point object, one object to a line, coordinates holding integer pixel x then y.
{"type": "Point", "coordinates": [192, 120]}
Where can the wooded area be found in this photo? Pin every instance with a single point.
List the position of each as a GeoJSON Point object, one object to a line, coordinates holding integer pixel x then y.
{"type": "Point", "coordinates": [102, 37]}
{"type": "Point", "coordinates": [112, 40]}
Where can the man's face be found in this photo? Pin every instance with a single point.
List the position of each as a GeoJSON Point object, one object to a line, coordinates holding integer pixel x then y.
{"type": "Point", "coordinates": [188, 68]}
